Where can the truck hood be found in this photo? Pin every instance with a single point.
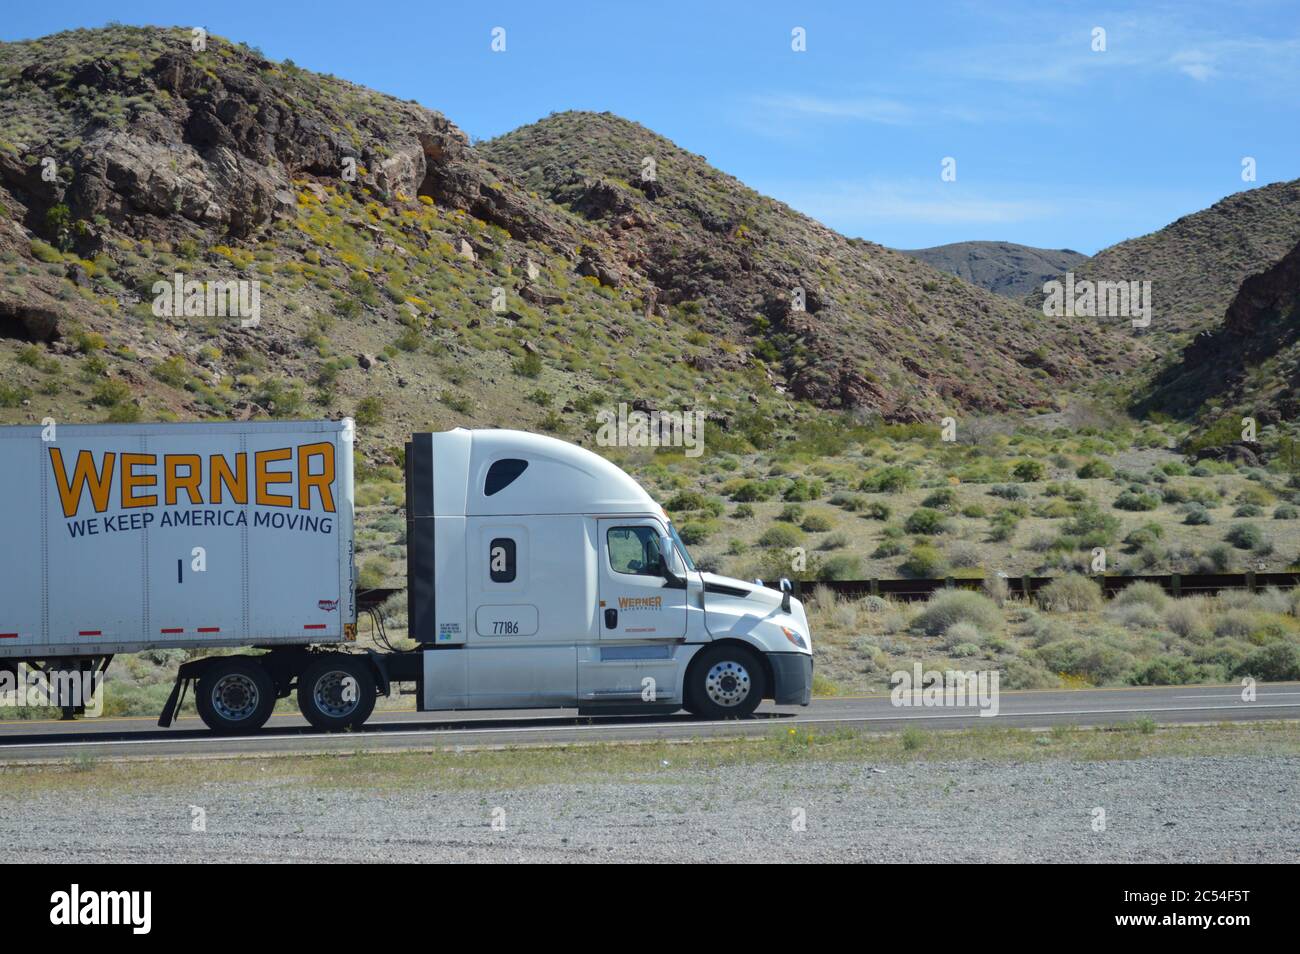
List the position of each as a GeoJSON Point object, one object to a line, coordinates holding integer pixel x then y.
{"type": "Point", "coordinates": [734, 608]}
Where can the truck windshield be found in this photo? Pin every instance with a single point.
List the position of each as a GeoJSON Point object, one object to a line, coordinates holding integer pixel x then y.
{"type": "Point", "coordinates": [681, 547]}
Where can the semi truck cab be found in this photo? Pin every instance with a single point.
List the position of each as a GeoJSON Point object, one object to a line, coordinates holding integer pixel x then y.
{"type": "Point", "coordinates": [542, 575]}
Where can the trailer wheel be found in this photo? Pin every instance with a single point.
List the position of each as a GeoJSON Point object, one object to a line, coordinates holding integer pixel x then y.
{"type": "Point", "coordinates": [336, 692]}
{"type": "Point", "coordinates": [724, 682]}
{"type": "Point", "coordinates": [235, 695]}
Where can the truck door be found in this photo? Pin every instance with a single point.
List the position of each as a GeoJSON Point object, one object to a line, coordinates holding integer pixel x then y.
{"type": "Point", "coordinates": [637, 602]}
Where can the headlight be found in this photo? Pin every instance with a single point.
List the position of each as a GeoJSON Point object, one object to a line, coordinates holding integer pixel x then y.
{"type": "Point", "coordinates": [795, 638]}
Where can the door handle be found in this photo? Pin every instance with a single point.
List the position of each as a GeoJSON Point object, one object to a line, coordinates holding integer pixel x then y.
{"type": "Point", "coordinates": [611, 619]}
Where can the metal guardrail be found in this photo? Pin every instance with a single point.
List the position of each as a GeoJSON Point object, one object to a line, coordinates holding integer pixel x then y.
{"type": "Point", "coordinates": [1176, 584]}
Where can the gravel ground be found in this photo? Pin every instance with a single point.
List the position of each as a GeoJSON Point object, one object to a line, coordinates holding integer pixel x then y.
{"type": "Point", "coordinates": [1170, 809]}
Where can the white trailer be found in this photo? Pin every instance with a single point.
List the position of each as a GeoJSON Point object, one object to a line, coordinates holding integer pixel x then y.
{"type": "Point", "coordinates": [539, 575]}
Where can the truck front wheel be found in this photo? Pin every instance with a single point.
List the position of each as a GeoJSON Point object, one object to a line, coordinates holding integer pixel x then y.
{"type": "Point", "coordinates": [336, 692]}
{"type": "Point", "coordinates": [724, 682]}
{"type": "Point", "coordinates": [235, 695]}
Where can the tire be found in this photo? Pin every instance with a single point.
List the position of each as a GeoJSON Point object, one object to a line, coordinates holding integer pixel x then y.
{"type": "Point", "coordinates": [323, 698]}
{"type": "Point", "coordinates": [235, 696]}
{"type": "Point", "coordinates": [725, 682]}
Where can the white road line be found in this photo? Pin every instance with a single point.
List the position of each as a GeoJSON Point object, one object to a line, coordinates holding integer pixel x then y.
{"type": "Point", "coordinates": [972, 711]}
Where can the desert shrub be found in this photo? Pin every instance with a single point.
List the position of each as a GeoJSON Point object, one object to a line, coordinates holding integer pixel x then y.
{"type": "Point", "coordinates": [950, 607]}
{"type": "Point", "coordinates": [888, 480]}
{"type": "Point", "coordinates": [1244, 536]}
{"type": "Point", "coordinates": [942, 499]}
{"type": "Point", "coordinates": [1143, 536]}
{"type": "Point", "coordinates": [780, 535]}
{"type": "Point", "coordinates": [876, 510]}
{"type": "Point", "coordinates": [1009, 491]}
{"type": "Point", "coordinates": [963, 639]}
{"type": "Point", "coordinates": [804, 489]}
{"type": "Point", "coordinates": [1128, 500]}
{"type": "Point", "coordinates": [529, 366]}
{"type": "Point", "coordinates": [1186, 618]}
{"type": "Point", "coordinates": [1095, 468]}
{"type": "Point", "coordinates": [790, 513]}
{"type": "Point", "coordinates": [1285, 512]}
{"type": "Point", "coordinates": [695, 532]}
{"type": "Point", "coordinates": [1070, 594]}
{"type": "Point", "coordinates": [750, 491]}
{"type": "Point", "coordinates": [1094, 660]}
{"type": "Point", "coordinates": [1235, 624]}
{"type": "Point", "coordinates": [841, 567]}
{"type": "Point", "coordinates": [965, 555]}
{"type": "Point", "coordinates": [816, 523]}
{"type": "Point", "coordinates": [1168, 670]}
{"type": "Point", "coordinates": [685, 500]}
{"type": "Point", "coordinates": [1217, 559]}
{"type": "Point", "coordinates": [1148, 594]}
{"type": "Point", "coordinates": [370, 410]}
{"type": "Point", "coordinates": [1139, 616]}
{"type": "Point", "coordinates": [1091, 527]}
{"type": "Point", "coordinates": [742, 512]}
{"type": "Point", "coordinates": [996, 588]}
{"type": "Point", "coordinates": [1276, 663]}
{"type": "Point", "coordinates": [1028, 471]}
{"type": "Point", "coordinates": [924, 562]}
{"type": "Point", "coordinates": [925, 521]}
{"type": "Point", "coordinates": [1248, 510]}
{"type": "Point", "coordinates": [834, 541]}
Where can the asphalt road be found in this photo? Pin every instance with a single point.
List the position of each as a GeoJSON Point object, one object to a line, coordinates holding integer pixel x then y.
{"type": "Point", "coordinates": [140, 737]}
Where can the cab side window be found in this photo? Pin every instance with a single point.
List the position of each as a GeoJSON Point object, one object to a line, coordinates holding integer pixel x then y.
{"type": "Point", "coordinates": [634, 550]}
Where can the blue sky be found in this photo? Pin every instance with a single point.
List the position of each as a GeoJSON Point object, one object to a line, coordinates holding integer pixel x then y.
{"type": "Point", "coordinates": [1055, 144]}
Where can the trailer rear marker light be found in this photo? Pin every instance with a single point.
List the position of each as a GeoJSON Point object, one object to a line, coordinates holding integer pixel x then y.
{"type": "Point", "coordinates": [90, 632]}
{"type": "Point", "coordinates": [209, 629]}
{"type": "Point", "coordinates": [8, 635]}
{"type": "Point", "coordinates": [314, 626]}
{"type": "Point", "coordinates": [169, 631]}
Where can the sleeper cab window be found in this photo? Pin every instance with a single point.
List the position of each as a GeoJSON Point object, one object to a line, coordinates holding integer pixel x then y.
{"type": "Point", "coordinates": [501, 560]}
{"type": "Point", "coordinates": [502, 474]}
{"type": "Point", "coordinates": [634, 550]}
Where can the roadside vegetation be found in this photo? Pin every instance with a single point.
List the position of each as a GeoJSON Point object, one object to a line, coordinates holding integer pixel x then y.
{"type": "Point", "coordinates": [494, 769]}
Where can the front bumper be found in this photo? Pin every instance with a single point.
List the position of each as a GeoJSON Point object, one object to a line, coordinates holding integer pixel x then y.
{"type": "Point", "coordinates": [792, 677]}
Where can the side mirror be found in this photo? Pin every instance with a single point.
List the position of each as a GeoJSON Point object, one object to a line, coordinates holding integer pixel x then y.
{"type": "Point", "coordinates": [786, 588]}
{"type": "Point", "coordinates": [665, 566]}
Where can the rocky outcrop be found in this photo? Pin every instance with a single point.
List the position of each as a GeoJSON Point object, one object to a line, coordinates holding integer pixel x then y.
{"type": "Point", "coordinates": [1259, 337]}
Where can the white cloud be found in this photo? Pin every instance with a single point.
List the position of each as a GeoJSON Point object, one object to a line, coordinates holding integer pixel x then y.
{"type": "Point", "coordinates": [866, 109]}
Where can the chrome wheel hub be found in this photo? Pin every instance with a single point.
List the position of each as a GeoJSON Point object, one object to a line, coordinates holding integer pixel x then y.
{"type": "Point", "coordinates": [727, 684]}
{"type": "Point", "coordinates": [235, 697]}
{"type": "Point", "coordinates": [336, 694]}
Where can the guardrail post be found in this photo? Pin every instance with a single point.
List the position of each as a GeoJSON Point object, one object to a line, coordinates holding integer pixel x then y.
{"type": "Point", "coordinates": [1250, 581]}
{"type": "Point", "coordinates": [949, 582]}
{"type": "Point", "coordinates": [1027, 587]}
{"type": "Point", "coordinates": [873, 586]}
{"type": "Point", "coordinates": [1176, 584]}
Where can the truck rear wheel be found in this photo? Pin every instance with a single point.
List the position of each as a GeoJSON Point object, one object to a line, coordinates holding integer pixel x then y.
{"type": "Point", "coordinates": [336, 692]}
{"type": "Point", "coordinates": [724, 682]}
{"type": "Point", "coordinates": [235, 695]}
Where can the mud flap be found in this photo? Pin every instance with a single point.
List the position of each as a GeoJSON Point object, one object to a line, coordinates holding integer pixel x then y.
{"type": "Point", "coordinates": [173, 702]}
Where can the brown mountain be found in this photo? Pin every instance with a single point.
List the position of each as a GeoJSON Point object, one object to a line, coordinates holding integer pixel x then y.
{"type": "Point", "coordinates": [1197, 264]}
{"type": "Point", "coordinates": [402, 274]}
{"type": "Point", "coordinates": [877, 327]}
{"type": "Point", "coordinates": [1002, 267]}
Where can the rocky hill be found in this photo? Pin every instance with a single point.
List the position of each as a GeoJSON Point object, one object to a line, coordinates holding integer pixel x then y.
{"type": "Point", "coordinates": [402, 275]}
{"type": "Point", "coordinates": [1250, 362]}
{"type": "Point", "coordinates": [1002, 267]}
{"type": "Point", "coordinates": [876, 327]}
{"type": "Point", "coordinates": [1196, 264]}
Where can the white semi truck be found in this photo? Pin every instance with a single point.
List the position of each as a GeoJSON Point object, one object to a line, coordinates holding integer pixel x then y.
{"type": "Point", "coordinates": [539, 575]}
